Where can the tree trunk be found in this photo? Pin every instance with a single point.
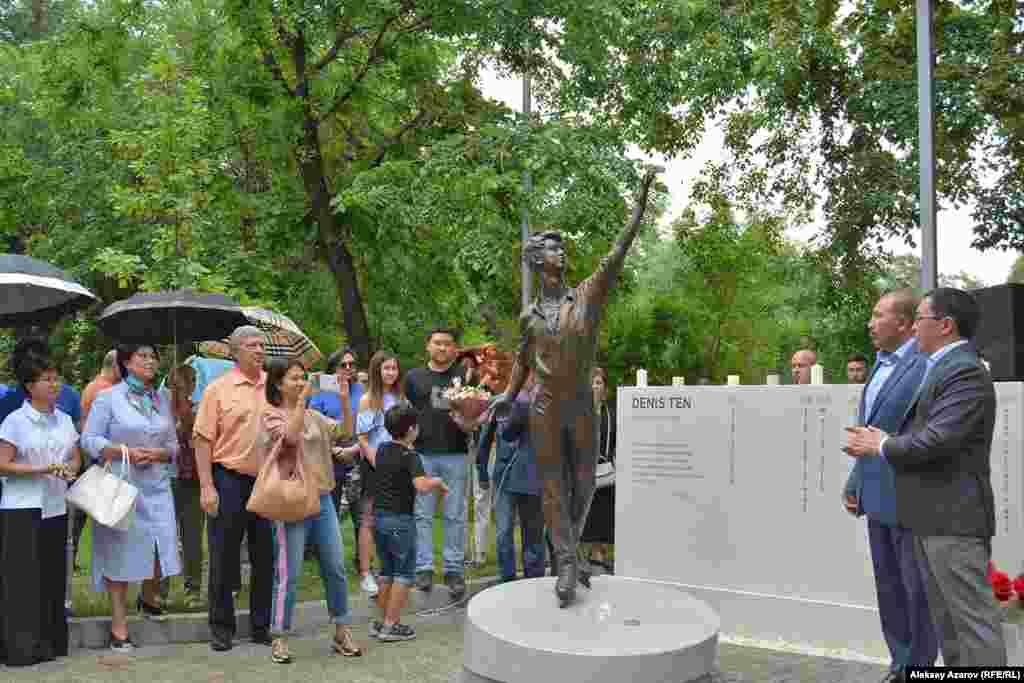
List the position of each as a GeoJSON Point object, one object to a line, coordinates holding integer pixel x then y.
{"type": "Point", "coordinates": [331, 239]}
{"type": "Point", "coordinates": [40, 17]}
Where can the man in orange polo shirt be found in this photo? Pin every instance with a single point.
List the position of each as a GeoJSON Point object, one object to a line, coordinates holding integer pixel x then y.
{"type": "Point", "coordinates": [227, 462]}
{"type": "Point", "coordinates": [108, 377]}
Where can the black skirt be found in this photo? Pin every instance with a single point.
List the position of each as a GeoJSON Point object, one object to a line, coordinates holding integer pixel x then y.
{"type": "Point", "coordinates": [33, 585]}
{"type": "Point", "coordinates": [600, 527]}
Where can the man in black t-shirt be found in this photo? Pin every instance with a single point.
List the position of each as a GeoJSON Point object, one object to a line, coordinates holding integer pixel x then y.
{"type": "Point", "coordinates": [442, 448]}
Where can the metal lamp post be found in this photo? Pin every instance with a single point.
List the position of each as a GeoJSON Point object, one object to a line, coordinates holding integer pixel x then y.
{"type": "Point", "coordinates": [926, 143]}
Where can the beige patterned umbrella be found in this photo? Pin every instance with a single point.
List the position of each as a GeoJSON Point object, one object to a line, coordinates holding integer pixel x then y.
{"type": "Point", "coordinates": [284, 338]}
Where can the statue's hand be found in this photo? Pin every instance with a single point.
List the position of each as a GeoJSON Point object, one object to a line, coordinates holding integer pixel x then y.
{"type": "Point", "coordinates": [651, 174]}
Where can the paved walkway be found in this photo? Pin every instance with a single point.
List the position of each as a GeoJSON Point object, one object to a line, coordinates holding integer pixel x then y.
{"type": "Point", "coordinates": [434, 657]}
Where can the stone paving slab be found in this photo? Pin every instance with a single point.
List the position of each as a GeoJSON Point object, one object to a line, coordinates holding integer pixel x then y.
{"type": "Point", "coordinates": [434, 657]}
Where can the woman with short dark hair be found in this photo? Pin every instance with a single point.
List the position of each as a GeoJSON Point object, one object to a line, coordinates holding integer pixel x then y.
{"type": "Point", "coordinates": [300, 432]}
{"type": "Point", "coordinates": [38, 455]}
{"type": "Point", "coordinates": [133, 418]}
{"type": "Point", "coordinates": [599, 530]}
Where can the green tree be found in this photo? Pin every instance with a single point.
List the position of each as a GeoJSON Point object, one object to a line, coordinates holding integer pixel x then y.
{"type": "Point", "coordinates": [904, 270]}
{"type": "Point", "coordinates": [1016, 275]}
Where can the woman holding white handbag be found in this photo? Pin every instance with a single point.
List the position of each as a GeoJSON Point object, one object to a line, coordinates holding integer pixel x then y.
{"type": "Point", "coordinates": [38, 454]}
{"type": "Point", "coordinates": [133, 422]}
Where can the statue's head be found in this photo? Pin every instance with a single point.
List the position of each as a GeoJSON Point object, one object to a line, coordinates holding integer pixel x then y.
{"type": "Point", "coordinates": [545, 252]}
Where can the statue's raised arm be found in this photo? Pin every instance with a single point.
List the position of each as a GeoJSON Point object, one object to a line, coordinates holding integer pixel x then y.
{"type": "Point", "coordinates": [597, 286]}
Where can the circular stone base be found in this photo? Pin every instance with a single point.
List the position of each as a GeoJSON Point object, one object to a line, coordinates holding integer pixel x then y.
{"type": "Point", "coordinates": [619, 630]}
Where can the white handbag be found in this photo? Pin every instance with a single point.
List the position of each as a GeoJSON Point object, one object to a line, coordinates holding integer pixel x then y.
{"type": "Point", "coordinates": [107, 498]}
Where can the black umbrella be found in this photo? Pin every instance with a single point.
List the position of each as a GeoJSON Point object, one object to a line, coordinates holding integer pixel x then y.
{"type": "Point", "coordinates": [35, 293]}
{"type": "Point", "coordinates": [170, 317]}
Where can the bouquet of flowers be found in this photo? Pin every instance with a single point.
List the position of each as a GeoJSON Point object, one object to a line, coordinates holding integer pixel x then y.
{"type": "Point", "coordinates": [467, 400]}
{"type": "Point", "coordinates": [62, 470]}
{"type": "Point", "coordinates": [1002, 587]}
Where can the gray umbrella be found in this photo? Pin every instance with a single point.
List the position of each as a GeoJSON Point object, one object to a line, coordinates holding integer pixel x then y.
{"type": "Point", "coordinates": [33, 292]}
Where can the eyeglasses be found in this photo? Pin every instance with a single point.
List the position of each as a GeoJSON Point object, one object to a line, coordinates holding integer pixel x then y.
{"type": "Point", "coordinates": [348, 365]}
{"type": "Point", "coordinates": [930, 317]}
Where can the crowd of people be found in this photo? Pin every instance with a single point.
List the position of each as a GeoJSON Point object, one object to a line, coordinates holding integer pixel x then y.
{"type": "Point", "coordinates": [384, 450]}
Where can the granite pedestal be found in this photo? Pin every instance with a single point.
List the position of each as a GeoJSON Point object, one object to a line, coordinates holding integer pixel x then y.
{"type": "Point", "coordinates": [620, 630]}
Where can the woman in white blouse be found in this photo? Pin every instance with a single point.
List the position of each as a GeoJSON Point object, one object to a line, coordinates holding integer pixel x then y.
{"type": "Point", "coordinates": [38, 454]}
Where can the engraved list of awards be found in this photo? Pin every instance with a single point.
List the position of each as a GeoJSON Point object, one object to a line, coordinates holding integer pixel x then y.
{"type": "Point", "coordinates": [739, 489]}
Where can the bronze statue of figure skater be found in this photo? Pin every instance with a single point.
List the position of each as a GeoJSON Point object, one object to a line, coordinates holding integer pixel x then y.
{"type": "Point", "coordinates": [559, 340]}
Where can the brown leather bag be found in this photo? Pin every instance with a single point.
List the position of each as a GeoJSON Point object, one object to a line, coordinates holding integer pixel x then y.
{"type": "Point", "coordinates": [283, 492]}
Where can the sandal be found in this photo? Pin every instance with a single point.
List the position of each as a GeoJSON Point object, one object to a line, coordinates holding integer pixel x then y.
{"type": "Point", "coordinates": [346, 646]}
{"type": "Point", "coordinates": [279, 652]}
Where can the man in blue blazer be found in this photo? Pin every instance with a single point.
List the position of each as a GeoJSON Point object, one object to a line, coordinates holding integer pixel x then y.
{"type": "Point", "coordinates": [870, 489]}
{"type": "Point", "coordinates": [940, 454]}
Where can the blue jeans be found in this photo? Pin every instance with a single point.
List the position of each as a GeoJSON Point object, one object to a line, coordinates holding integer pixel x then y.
{"type": "Point", "coordinates": [396, 547]}
{"type": "Point", "coordinates": [450, 468]}
{"type": "Point", "coordinates": [289, 542]}
{"type": "Point", "coordinates": [531, 519]}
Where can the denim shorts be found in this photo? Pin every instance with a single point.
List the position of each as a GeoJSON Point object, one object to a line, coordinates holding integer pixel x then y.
{"type": "Point", "coordinates": [396, 547]}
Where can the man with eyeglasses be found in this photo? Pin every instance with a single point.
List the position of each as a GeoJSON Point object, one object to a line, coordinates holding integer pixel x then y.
{"type": "Point", "coordinates": [228, 459]}
{"type": "Point", "coordinates": [940, 456]}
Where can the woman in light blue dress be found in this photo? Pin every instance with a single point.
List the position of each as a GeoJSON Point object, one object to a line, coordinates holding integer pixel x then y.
{"type": "Point", "coordinates": [132, 415]}
{"type": "Point", "coordinates": [385, 390]}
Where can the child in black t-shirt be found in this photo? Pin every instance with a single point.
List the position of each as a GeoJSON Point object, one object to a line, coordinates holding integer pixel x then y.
{"type": "Point", "coordinates": [398, 477]}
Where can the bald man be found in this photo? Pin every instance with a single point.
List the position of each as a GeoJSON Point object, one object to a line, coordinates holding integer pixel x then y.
{"type": "Point", "coordinates": [803, 361]}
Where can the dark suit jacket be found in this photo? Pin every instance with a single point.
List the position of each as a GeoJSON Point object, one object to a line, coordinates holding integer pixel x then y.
{"type": "Point", "coordinates": [941, 454]}
{"type": "Point", "coordinates": [872, 481]}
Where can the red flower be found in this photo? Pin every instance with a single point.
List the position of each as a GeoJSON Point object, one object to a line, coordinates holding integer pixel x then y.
{"type": "Point", "coordinates": [1002, 586]}
{"type": "Point", "coordinates": [1018, 586]}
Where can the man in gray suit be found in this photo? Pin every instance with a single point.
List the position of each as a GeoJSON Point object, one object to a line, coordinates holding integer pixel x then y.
{"type": "Point", "coordinates": [871, 489]}
{"type": "Point", "coordinates": [940, 455]}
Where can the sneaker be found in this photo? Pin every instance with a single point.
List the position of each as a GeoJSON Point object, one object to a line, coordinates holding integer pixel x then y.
{"type": "Point", "coordinates": [425, 580]}
{"type": "Point", "coordinates": [456, 585]}
{"type": "Point", "coordinates": [279, 653]}
{"type": "Point", "coordinates": [149, 611]}
{"type": "Point", "coordinates": [121, 646]}
{"type": "Point", "coordinates": [369, 585]}
{"type": "Point", "coordinates": [395, 633]}
{"type": "Point", "coordinates": [375, 628]}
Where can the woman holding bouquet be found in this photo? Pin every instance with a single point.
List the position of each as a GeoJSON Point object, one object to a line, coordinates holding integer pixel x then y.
{"type": "Point", "coordinates": [38, 454]}
{"type": "Point", "coordinates": [385, 390]}
{"type": "Point", "coordinates": [306, 434]}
